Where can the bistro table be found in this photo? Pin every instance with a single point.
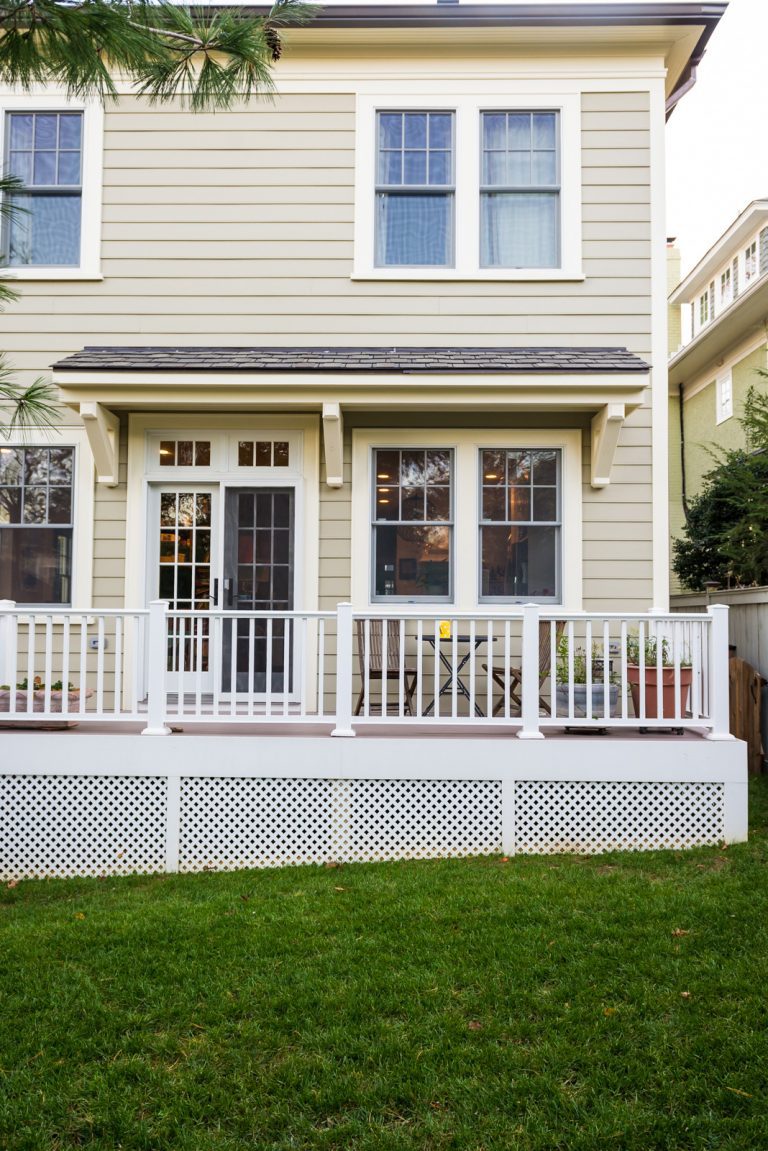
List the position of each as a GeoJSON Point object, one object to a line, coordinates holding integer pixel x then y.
{"type": "Point", "coordinates": [472, 643]}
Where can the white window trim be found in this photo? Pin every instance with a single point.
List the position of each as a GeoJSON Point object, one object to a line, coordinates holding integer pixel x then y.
{"type": "Point", "coordinates": [55, 100]}
{"type": "Point", "coordinates": [724, 397]}
{"type": "Point", "coordinates": [467, 111]}
{"type": "Point", "coordinates": [82, 504]}
{"type": "Point", "coordinates": [466, 446]}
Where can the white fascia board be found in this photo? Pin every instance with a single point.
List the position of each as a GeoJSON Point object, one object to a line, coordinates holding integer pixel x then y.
{"type": "Point", "coordinates": [109, 383]}
{"type": "Point", "coordinates": [742, 228]}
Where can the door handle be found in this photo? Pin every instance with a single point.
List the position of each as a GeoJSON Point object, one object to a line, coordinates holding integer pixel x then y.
{"type": "Point", "coordinates": [215, 596]}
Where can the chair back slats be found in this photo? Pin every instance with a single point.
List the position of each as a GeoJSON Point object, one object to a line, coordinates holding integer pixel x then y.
{"type": "Point", "coordinates": [545, 647]}
{"type": "Point", "coordinates": [375, 645]}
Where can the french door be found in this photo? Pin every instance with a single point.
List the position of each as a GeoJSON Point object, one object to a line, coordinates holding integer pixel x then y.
{"type": "Point", "coordinates": [258, 576]}
{"type": "Point", "coordinates": [231, 548]}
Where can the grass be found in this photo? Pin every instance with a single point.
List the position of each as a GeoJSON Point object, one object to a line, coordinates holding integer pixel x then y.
{"type": "Point", "coordinates": [483, 1005]}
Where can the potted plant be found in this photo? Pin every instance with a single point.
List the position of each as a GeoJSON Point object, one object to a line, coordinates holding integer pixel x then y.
{"type": "Point", "coordinates": [574, 671]}
{"type": "Point", "coordinates": [656, 650]}
{"type": "Point", "coordinates": [55, 699]}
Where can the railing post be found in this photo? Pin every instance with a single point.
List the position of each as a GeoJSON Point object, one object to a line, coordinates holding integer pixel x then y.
{"type": "Point", "coordinates": [8, 641]}
{"type": "Point", "coordinates": [157, 646]}
{"type": "Point", "coordinates": [530, 667]}
{"type": "Point", "coordinates": [343, 671]}
{"type": "Point", "coordinates": [719, 673]}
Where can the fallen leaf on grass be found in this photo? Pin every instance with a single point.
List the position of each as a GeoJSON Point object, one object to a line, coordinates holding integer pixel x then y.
{"type": "Point", "coordinates": [475, 1025]}
{"type": "Point", "coordinates": [330, 865]}
{"type": "Point", "coordinates": [685, 995]}
{"type": "Point", "coordinates": [12, 883]}
{"type": "Point", "coordinates": [678, 931]}
{"type": "Point", "coordinates": [339, 889]}
{"type": "Point", "coordinates": [609, 1011]}
{"type": "Point", "coordinates": [79, 915]}
{"type": "Point", "coordinates": [505, 859]}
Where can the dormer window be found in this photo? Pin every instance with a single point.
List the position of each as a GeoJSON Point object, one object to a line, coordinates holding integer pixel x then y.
{"type": "Point", "coordinates": [750, 262]}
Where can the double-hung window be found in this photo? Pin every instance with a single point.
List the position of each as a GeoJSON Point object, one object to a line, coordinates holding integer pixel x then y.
{"type": "Point", "coordinates": [520, 524]}
{"type": "Point", "coordinates": [44, 151]}
{"type": "Point", "coordinates": [520, 190]}
{"type": "Point", "coordinates": [36, 498]}
{"type": "Point", "coordinates": [467, 189]}
{"type": "Point", "coordinates": [412, 524]}
{"type": "Point", "coordinates": [415, 189]}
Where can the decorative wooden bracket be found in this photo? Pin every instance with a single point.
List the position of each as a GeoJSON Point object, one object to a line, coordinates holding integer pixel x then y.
{"type": "Point", "coordinates": [333, 435]}
{"type": "Point", "coordinates": [606, 429]}
{"type": "Point", "coordinates": [103, 430]}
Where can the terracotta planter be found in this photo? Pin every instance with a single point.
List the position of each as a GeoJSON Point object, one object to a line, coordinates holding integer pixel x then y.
{"type": "Point", "coordinates": [38, 706]}
{"type": "Point", "coordinates": [667, 690]}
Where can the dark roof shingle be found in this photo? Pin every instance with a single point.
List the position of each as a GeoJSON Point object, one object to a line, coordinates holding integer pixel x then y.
{"type": "Point", "coordinates": [386, 359]}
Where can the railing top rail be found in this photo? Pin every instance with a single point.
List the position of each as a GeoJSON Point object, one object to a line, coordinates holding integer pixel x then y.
{"type": "Point", "coordinates": [111, 612]}
{"type": "Point", "coordinates": [229, 613]}
{"type": "Point", "coordinates": [416, 613]}
{"type": "Point", "coordinates": [516, 612]}
{"type": "Point", "coordinates": [650, 616]}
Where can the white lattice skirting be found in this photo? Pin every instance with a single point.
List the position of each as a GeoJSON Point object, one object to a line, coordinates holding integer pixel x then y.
{"type": "Point", "coordinates": [68, 824]}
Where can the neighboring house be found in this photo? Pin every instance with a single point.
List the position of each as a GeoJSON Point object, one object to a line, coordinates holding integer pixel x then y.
{"type": "Point", "coordinates": [718, 312]}
{"type": "Point", "coordinates": [396, 337]}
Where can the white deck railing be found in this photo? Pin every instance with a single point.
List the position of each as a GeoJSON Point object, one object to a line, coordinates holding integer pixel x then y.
{"type": "Point", "coordinates": [529, 669]}
{"type": "Point", "coordinates": [59, 665]}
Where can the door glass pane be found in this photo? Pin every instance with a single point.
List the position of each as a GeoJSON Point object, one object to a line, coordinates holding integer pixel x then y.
{"type": "Point", "coordinates": [184, 575]}
{"type": "Point", "coordinates": [258, 560]}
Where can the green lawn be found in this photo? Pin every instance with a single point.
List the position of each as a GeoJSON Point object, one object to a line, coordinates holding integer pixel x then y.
{"type": "Point", "coordinates": [483, 1005]}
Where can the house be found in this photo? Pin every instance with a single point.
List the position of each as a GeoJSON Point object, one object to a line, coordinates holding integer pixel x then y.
{"type": "Point", "coordinates": [365, 394]}
{"type": "Point", "coordinates": [720, 309]}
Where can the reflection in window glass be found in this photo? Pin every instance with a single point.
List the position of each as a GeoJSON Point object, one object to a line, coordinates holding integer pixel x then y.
{"type": "Point", "coordinates": [36, 509]}
{"type": "Point", "coordinates": [412, 523]}
{"type": "Point", "coordinates": [520, 524]}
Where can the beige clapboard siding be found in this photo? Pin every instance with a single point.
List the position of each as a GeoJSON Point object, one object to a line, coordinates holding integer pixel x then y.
{"type": "Point", "coordinates": [276, 303]}
{"type": "Point", "coordinates": [578, 329]}
{"type": "Point", "coordinates": [238, 228]}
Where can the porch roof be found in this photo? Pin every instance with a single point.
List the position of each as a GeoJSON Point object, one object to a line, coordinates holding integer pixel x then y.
{"type": "Point", "coordinates": [407, 360]}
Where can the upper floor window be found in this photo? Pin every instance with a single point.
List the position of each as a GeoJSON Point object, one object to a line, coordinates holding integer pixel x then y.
{"type": "Point", "coordinates": [750, 262]}
{"type": "Point", "coordinates": [459, 188]}
{"type": "Point", "coordinates": [520, 190]}
{"type": "Point", "coordinates": [53, 144]}
{"type": "Point", "coordinates": [415, 189]}
{"type": "Point", "coordinates": [726, 288]}
{"type": "Point", "coordinates": [704, 308]}
{"type": "Point", "coordinates": [44, 150]}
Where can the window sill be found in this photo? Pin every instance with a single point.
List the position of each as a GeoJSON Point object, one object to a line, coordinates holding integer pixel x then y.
{"type": "Point", "coordinates": [19, 275]}
{"type": "Point", "coordinates": [454, 275]}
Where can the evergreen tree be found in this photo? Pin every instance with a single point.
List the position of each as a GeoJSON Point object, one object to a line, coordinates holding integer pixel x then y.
{"type": "Point", "coordinates": [725, 538]}
{"type": "Point", "coordinates": [207, 58]}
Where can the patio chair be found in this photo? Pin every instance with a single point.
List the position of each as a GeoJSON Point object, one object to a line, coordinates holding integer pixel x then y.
{"type": "Point", "coordinates": [514, 675]}
{"type": "Point", "coordinates": [375, 671]}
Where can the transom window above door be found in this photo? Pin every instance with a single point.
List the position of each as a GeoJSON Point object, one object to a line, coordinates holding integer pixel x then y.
{"type": "Point", "coordinates": [194, 455]}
